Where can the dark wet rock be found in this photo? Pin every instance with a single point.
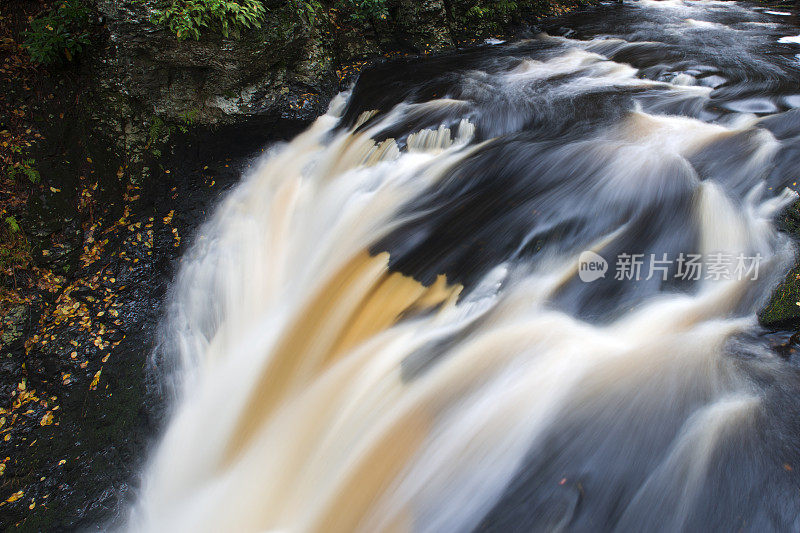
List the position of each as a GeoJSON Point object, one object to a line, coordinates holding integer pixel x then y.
{"type": "Point", "coordinates": [272, 70]}
{"type": "Point", "coordinates": [213, 80]}
{"type": "Point", "coordinates": [783, 309]}
{"type": "Point", "coordinates": [424, 25]}
{"type": "Point", "coordinates": [148, 84]}
{"type": "Point", "coordinates": [78, 470]}
{"type": "Point", "coordinates": [12, 325]}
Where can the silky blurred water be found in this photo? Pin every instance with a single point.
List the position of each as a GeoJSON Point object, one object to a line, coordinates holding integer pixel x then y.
{"type": "Point", "coordinates": [507, 288]}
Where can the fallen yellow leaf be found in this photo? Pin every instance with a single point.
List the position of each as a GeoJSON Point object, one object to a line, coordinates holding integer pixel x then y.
{"type": "Point", "coordinates": [47, 419]}
{"type": "Point", "coordinates": [96, 380]}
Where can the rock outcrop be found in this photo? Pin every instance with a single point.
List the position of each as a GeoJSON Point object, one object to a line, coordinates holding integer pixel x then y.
{"type": "Point", "coordinates": [290, 68]}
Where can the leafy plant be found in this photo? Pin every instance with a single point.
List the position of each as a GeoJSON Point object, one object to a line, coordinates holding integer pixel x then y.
{"type": "Point", "coordinates": [25, 167]}
{"type": "Point", "coordinates": [12, 224]}
{"type": "Point", "coordinates": [366, 10]}
{"type": "Point", "coordinates": [59, 34]}
{"type": "Point", "coordinates": [188, 118]}
{"type": "Point", "coordinates": [307, 8]}
{"type": "Point", "coordinates": [158, 134]}
{"type": "Point", "coordinates": [491, 9]}
{"type": "Point", "coordinates": [188, 18]}
{"type": "Point", "coordinates": [15, 250]}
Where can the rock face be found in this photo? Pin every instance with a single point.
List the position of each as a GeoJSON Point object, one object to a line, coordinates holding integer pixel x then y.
{"type": "Point", "coordinates": [144, 68]}
{"type": "Point", "coordinates": [425, 25]}
{"type": "Point", "coordinates": [147, 82]}
{"type": "Point", "coordinates": [146, 78]}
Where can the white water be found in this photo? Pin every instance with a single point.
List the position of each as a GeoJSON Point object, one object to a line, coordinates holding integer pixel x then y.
{"type": "Point", "coordinates": [292, 345]}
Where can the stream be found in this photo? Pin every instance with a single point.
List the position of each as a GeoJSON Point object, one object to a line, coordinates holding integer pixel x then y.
{"type": "Point", "coordinates": [508, 288]}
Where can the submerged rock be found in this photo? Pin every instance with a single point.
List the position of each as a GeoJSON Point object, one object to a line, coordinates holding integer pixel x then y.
{"type": "Point", "coordinates": [783, 308]}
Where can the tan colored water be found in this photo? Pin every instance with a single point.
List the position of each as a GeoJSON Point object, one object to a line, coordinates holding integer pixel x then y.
{"type": "Point", "coordinates": [324, 392]}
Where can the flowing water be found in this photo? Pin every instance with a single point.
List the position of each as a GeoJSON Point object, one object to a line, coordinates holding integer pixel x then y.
{"type": "Point", "coordinates": [461, 300]}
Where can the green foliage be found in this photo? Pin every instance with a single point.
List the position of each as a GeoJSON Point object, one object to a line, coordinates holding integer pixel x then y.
{"type": "Point", "coordinates": [188, 118]}
{"type": "Point", "coordinates": [15, 250]}
{"type": "Point", "coordinates": [60, 34]}
{"type": "Point", "coordinates": [188, 18]}
{"type": "Point", "coordinates": [366, 10]}
{"type": "Point", "coordinates": [492, 9]}
{"type": "Point", "coordinates": [24, 167]}
{"type": "Point", "coordinates": [782, 308]}
{"type": "Point", "coordinates": [12, 224]}
{"type": "Point", "coordinates": [488, 17]}
{"type": "Point", "coordinates": [308, 9]}
{"type": "Point", "coordinates": [160, 132]}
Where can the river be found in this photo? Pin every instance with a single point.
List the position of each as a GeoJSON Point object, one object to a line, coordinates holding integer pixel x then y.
{"type": "Point", "coordinates": [509, 288]}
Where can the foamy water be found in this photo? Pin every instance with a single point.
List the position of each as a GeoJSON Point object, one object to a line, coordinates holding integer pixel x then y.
{"type": "Point", "coordinates": [384, 328]}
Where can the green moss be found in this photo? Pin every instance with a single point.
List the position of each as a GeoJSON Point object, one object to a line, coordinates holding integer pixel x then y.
{"type": "Point", "coordinates": [783, 309]}
{"type": "Point", "coordinates": [15, 250]}
{"type": "Point", "coordinates": [366, 10]}
{"type": "Point", "coordinates": [60, 34]}
{"type": "Point", "coordinates": [12, 324]}
{"type": "Point", "coordinates": [158, 135]}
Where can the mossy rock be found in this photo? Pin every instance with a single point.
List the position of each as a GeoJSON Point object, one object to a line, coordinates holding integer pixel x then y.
{"type": "Point", "coordinates": [13, 325]}
{"type": "Point", "coordinates": [782, 310]}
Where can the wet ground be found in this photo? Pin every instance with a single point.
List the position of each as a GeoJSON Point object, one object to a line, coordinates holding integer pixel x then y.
{"type": "Point", "coordinates": [82, 406]}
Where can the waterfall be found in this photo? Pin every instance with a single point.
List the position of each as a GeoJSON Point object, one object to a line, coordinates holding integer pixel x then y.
{"type": "Point", "coordinates": [512, 289]}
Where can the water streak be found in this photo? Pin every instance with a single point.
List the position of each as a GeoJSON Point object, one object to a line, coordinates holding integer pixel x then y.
{"type": "Point", "coordinates": [383, 327]}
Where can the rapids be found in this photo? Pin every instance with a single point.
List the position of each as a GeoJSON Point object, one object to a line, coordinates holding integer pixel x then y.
{"type": "Point", "coordinates": [510, 288]}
